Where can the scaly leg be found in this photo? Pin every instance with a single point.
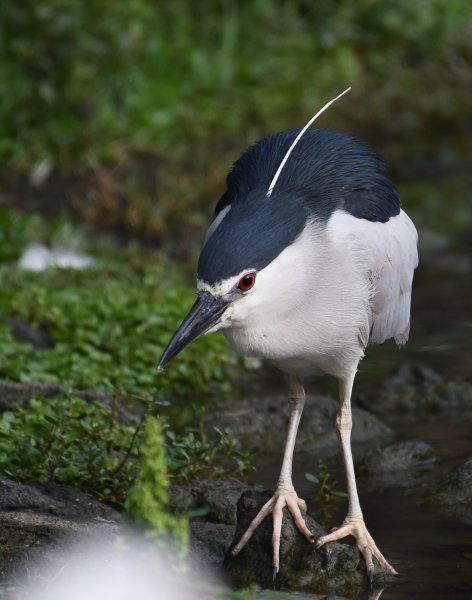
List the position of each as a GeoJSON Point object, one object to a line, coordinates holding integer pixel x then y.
{"type": "Point", "coordinates": [353, 524]}
{"type": "Point", "coordinates": [285, 494]}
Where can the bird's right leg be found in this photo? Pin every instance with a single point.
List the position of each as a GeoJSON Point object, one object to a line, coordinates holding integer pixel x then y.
{"type": "Point", "coordinates": [285, 494]}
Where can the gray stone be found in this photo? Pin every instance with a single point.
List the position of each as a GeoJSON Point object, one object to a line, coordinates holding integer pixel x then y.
{"type": "Point", "coordinates": [209, 542]}
{"type": "Point", "coordinates": [37, 336]}
{"type": "Point", "coordinates": [451, 488]}
{"type": "Point", "coordinates": [450, 492]}
{"type": "Point", "coordinates": [261, 423]}
{"type": "Point", "coordinates": [212, 500]}
{"type": "Point", "coordinates": [413, 374]}
{"type": "Point", "coordinates": [398, 457]}
{"type": "Point", "coordinates": [52, 499]}
{"type": "Point", "coordinates": [442, 399]}
{"type": "Point", "coordinates": [336, 567]}
{"type": "Point", "coordinates": [38, 518]}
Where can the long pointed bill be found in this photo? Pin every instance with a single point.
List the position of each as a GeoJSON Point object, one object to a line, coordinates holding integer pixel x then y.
{"type": "Point", "coordinates": [203, 315]}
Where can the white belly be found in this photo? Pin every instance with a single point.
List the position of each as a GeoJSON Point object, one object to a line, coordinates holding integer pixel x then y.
{"type": "Point", "coordinates": [309, 353]}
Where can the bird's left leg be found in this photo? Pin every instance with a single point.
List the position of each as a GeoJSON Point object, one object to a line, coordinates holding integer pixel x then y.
{"type": "Point", "coordinates": [285, 494]}
{"type": "Point", "coordinates": [353, 524]}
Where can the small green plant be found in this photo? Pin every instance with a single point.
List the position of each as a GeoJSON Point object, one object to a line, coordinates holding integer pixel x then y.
{"type": "Point", "coordinates": [327, 494]}
{"type": "Point", "coordinates": [148, 501]}
{"type": "Point", "coordinates": [108, 326]}
{"type": "Point", "coordinates": [68, 440]}
{"type": "Point", "coordinates": [196, 454]}
{"type": "Point", "coordinates": [94, 446]}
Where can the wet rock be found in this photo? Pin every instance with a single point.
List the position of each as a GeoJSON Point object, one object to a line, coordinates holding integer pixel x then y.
{"type": "Point", "coordinates": [447, 398]}
{"type": "Point", "coordinates": [38, 518]}
{"type": "Point", "coordinates": [37, 336]}
{"type": "Point", "coordinates": [213, 500]}
{"type": "Point", "coordinates": [451, 492]}
{"type": "Point", "coordinates": [403, 465]}
{"type": "Point", "coordinates": [209, 543]}
{"type": "Point", "coordinates": [335, 567]}
{"type": "Point", "coordinates": [413, 374]}
{"type": "Point", "coordinates": [261, 423]}
{"type": "Point", "coordinates": [398, 457]}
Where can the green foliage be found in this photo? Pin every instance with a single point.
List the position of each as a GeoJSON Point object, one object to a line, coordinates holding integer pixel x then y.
{"type": "Point", "coordinates": [327, 494]}
{"type": "Point", "coordinates": [63, 67]}
{"type": "Point", "coordinates": [94, 446]}
{"type": "Point", "coordinates": [148, 501]}
{"type": "Point", "coordinates": [71, 441]}
{"type": "Point", "coordinates": [193, 453]}
{"type": "Point", "coordinates": [109, 326]}
{"type": "Point", "coordinates": [16, 231]}
{"type": "Point", "coordinates": [96, 77]}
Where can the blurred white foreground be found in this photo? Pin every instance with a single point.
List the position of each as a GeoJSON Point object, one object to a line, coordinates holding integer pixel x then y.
{"type": "Point", "coordinates": [124, 570]}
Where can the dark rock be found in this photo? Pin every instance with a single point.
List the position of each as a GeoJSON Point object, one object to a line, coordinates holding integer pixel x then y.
{"type": "Point", "coordinates": [413, 374]}
{"type": "Point", "coordinates": [398, 457]}
{"type": "Point", "coordinates": [37, 336]}
{"type": "Point", "coordinates": [335, 567]}
{"type": "Point", "coordinates": [212, 500]}
{"type": "Point", "coordinates": [259, 423]}
{"type": "Point", "coordinates": [448, 399]}
{"type": "Point", "coordinates": [402, 465]}
{"type": "Point", "coordinates": [52, 499]}
{"type": "Point", "coordinates": [209, 542]}
{"type": "Point", "coordinates": [451, 492]}
{"type": "Point", "coordinates": [38, 518]}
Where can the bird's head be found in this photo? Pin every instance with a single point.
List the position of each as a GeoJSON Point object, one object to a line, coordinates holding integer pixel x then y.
{"type": "Point", "coordinates": [247, 265]}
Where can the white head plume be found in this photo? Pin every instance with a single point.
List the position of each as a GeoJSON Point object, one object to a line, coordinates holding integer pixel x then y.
{"type": "Point", "coordinates": [297, 139]}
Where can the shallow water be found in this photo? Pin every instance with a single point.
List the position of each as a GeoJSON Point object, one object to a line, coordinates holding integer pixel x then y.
{"type": "Point", "coordinates": [432, 552]}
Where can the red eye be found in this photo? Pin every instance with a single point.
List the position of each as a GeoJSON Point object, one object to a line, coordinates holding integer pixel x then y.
{"type": "Point", "coordinates": [246, 282]}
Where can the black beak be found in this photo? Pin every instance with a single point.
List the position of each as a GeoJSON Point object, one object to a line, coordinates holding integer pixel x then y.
{"type": "Point", "coordinates": [203, 315]}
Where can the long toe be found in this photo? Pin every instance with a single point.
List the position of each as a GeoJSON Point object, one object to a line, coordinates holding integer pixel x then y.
{"type": "Point", "coordinates": [281, 498]}
{"type": "Point", "coordinates": [365, 543]}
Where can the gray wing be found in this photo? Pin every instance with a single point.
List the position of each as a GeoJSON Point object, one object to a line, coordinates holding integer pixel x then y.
{"type": "Point", "coordinates": [393, 259]}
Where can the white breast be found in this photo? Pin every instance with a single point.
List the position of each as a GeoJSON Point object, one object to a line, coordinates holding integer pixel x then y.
{"type": "Point", "coordinates": [309, 310]}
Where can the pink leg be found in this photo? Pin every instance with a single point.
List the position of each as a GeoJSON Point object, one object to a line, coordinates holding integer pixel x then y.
{"type": "Point", "coordinates": [353, 524]}
{"type": "Point", "coordinates": [285, 494]}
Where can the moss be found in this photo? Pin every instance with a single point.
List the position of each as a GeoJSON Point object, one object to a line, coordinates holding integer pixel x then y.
{"type": "Point", "coordinates": [148, 501]}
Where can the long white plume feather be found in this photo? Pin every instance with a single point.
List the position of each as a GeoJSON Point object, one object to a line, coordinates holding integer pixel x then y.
{"type": "Point", "coordinates": [297, 139]}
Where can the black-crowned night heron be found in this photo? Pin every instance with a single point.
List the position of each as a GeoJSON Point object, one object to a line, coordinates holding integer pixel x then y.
{"type": "Point", "coordinates": [309, 259]}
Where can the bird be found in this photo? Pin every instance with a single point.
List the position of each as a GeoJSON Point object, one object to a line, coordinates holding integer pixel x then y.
{"type": "Point", "coordinates": [309, 259]}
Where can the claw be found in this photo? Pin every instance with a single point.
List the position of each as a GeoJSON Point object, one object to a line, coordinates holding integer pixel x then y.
{"type": "Point", "coordinates": [365, 543]}
{"type": "Point", "coordinates": [283, 497]}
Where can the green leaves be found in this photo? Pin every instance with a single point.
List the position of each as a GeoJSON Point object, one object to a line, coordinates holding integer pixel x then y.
{"type": "Point", "coordinates": [109, 326]}
{"type": "Point", "coordinates": [94, 446]}
{"type": "Point", "coordinates": [91, 78]}
{"type": "Point", "coordinates": [195, 453]}
{"type": "Point", "coordinates": [71, 441]}
{"type": "Point", "coordinates": [327, 493]}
